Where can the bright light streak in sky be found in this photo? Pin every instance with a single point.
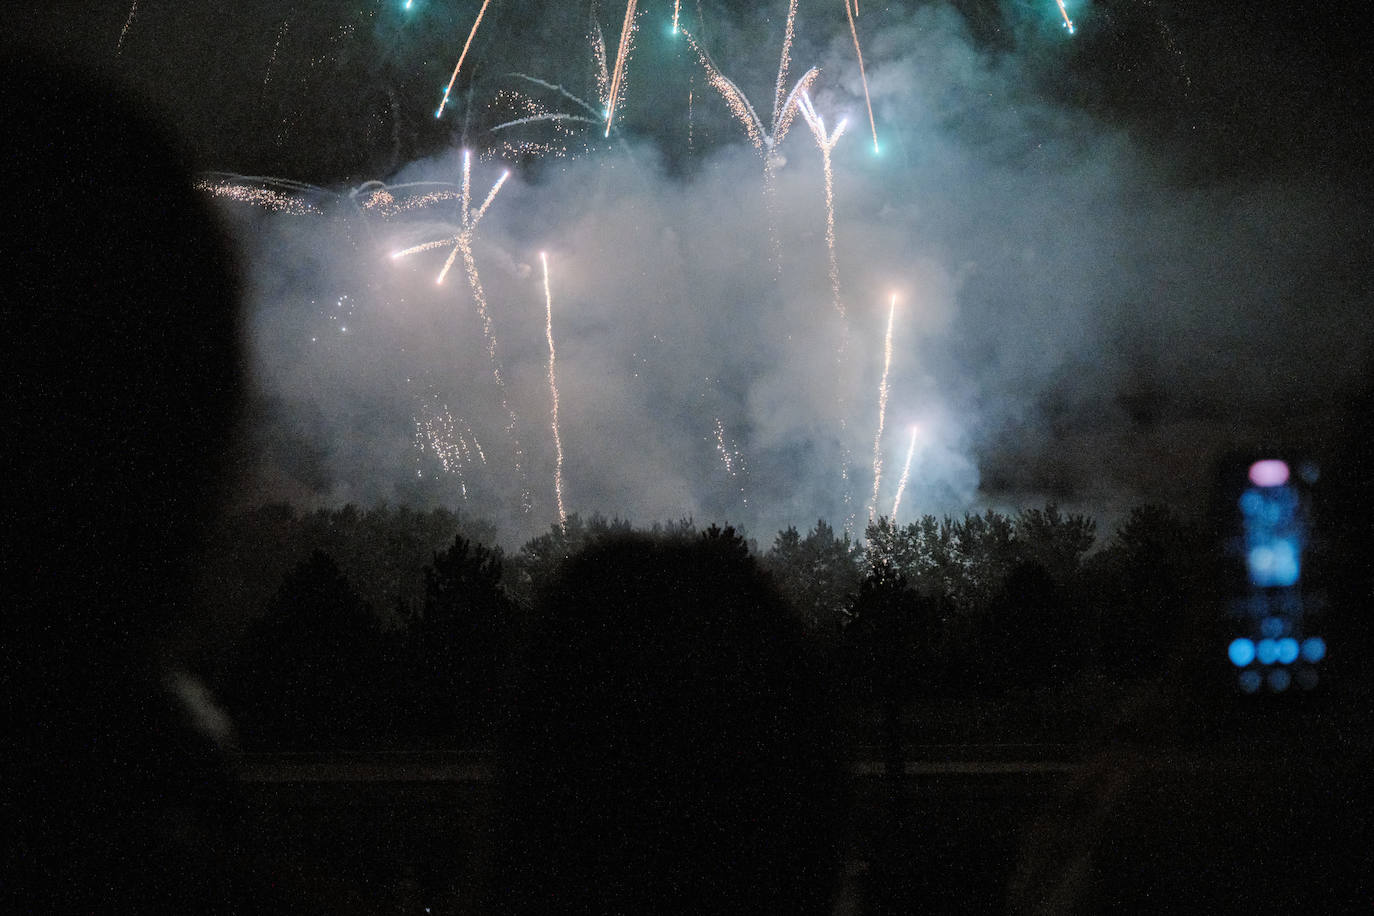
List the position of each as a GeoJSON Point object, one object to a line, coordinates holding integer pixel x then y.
{"type": "Point", "coordinates": [456, 67]}
{"type": "Point", "coordinates": [906, 471]}
{"type": "Point", "coordinates": [882, 411]}
{"type": "Point", "coordinates": [863, 75]}
{"type": "Point", "coordinates": [626, 37]}
{"type": "Point", "coordinates": [553, 393]}
{"type": "Point", "coordinates": [1068, 23]}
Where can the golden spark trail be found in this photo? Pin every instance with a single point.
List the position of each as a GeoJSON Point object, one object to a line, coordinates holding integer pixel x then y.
{"type": "Point", "coordinates": [603, 76]}
{"type": "Point", "coordinates": [449, 88]}
{"type": "Point", "coordinates": [553, 393]}
{"type": "Point", "coordinates": [676, 5]}
{"type": "Point", "coordinates": [906, 469]}
{"type": "Point", "coordinates": [786, 59]}
{"type": "Point", "coordinates": [133, 11]}
{"type": "Point", "coordinates": [423, 246]}
{"type": "Point", "coordinates": [765, 141]}
{"type": "Point", "coordinates": [617, 77]}
{"type": "Point", "coordinates": [1068, 23]}
{"type": "Point", "coordinates": [863, 76]}
{"type": "Point", "coordinates": [882, 410]}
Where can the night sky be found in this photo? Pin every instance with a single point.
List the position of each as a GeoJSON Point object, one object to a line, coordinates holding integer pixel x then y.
{"type": "Point", "coordinates": [1116, 253]}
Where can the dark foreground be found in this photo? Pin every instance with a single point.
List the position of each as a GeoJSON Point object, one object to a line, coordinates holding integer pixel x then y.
{"type": "Point", "coordinates": [409, 832]}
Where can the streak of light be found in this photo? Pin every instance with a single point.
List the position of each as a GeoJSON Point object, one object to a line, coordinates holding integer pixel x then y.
{"type": "Point", "coordinates": [786, 58]}
{"type": "Point", "coordinates": [266, 198]}
{"type": "Point", "coordinates": [553, 394]}
{"type": "Point", "coordinates": [906, 470]}
{"type": "Point", "coordinates": [449, 88]}
{"type": "Point", "coordinates": [618, 76]}
{"type": "Point", "coordinates": [882, 410]}
{"type": "Point", "coordinates": [1068, 23]}
{"type": "Point", "coordinates": [851, 12]}
{"type": "Point", "coordinates": [272, 60]}
{"type": "Point", "coordinates": [676, 5]}
{"type": "Point", "coordinates": [133, 11]}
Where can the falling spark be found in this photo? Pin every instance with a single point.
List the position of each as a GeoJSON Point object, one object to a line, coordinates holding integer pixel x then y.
{"type": "Point", "coordinates": [462, 244]}
{"type": "Point", "coordinates": [1068, 23]}
{"type": "Point", "coordinates": [553, 394]}
{"type": "Point", "coordinates": [726, 455]}
{"type": "Point", "coordinates": [272, 61]}
{"type": "Point", "coordinates": [603, 76]}
{"type": "Point", "coordinates": [882, 410]}
{"type": "Point", "coordinates": [618, 76]}
{"type": "Point", "coordinates": [439, 432]}
{"type": "Point", "coordinates": [458, 66]}
{"type": "Point", "coordinates": [826, 142]}
{"type": "Point", "coordinates": [676, 5]}
{"type": "Point", "coordinates": [281, 199]}
{"type": "Point", "coordinates": [133, 11]}
{"type": "Point", "coordinates": [906, 470]}
{"type": "Point", "coordinates": [785, 60]}
{"type": "Point", "coordinates": [851, 12]}
{"type": "Point", "coordinates": [765, 140]}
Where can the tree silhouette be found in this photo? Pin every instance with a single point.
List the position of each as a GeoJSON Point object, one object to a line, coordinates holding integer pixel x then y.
{"type": "Point", "coordinates": [305, 673]}
{"type": "Point", "coordinates": [465, 632]}
{"type": "Point", "coordinates": [819, 574]}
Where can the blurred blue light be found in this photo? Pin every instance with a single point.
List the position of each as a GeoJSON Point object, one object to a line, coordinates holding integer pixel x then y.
{"type": "Point", "coordinates": [1267, 651]}
{"type": "Point", "coordinates": [1274, 564]}
{"type": "Point", "coordinates": [1273, 627]}
{"type": "Point", "coordinates": [1314, 649]}
{"type": "Point", "coordinates": [1249, 681]}
{"type": "Point", "coordinates": [1288, 650]}
{"type": "Point", "coordinates": [1241, 652]}
{"type": "Point", "coordinates": [1279, 679]}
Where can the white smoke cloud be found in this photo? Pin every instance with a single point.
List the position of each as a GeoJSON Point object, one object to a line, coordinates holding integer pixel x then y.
{"type": "Point", "coordinates": [1074, 322]}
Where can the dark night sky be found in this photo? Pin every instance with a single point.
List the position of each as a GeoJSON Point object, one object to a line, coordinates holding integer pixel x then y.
{"type": "Point", "coordinates": [1118, 253]}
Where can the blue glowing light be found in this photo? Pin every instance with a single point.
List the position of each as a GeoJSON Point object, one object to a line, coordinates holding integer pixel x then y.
{"type": "Point", "coordinates": [1241, 652]}
{"type": "Point", "coordinates": [1273, 627]}
{"type": "Point", "coordinates": [1288, 650]}
{"type": "Point", "coordinates": [1314, 649]}
{"type": "Point", "coordinates": [1249, 681]}
{"type": "Point", "coordinates": [1267, 651]}
{"type": "Point", "coordinates": [1279, 679]}
{"type": "Point", "coordinates": [1274, 564]}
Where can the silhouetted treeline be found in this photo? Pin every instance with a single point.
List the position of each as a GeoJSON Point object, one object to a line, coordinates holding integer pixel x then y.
{"type": "Point", "coordinates": [394, 627]}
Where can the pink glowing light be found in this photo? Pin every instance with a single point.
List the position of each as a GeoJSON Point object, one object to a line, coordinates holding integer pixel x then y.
{"type": "Point", "coordinates": [1270, 472]}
